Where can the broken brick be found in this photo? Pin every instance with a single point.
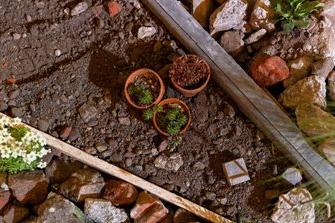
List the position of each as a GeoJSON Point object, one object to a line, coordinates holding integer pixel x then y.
{"type": "Point", "coordinates": [11, 80]}
{"type": "Point", "coordinates": [114, 8]}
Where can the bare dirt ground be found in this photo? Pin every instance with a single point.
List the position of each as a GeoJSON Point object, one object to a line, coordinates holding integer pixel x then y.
{"type": "Point", "coordinates": [70, 72]}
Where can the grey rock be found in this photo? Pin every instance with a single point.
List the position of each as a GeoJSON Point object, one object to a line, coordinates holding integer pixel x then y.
{"type": "Point", "coordinates": [3, 105]}
{"type": "Point", "coordinates": [87, 112]}
{"type": "Point", "coordinates": [58, 53]}
{"type": "Point", "coordinates": [230, 15]}
{"type": "Point", "coordinates": [256, 36]}
{"type": "Point", "coordinates": [102, 211]}
{"type": "Point", "coordinates": [124, 121]}
{"type": "Point", "coordinates": [58, 209]}
{"type": "Point", "coordinates": [172, 163]}
{"type": "Point", "coordinates": [16, 36]}
{"type": "Point", "coordinates": [295, 206]}
{"type": "Point", "coordinates": [79, 8]}
{"type": "Point", "coordinates": [43, 125]}
{"type": "Point", "coordinates": [323, 67]}
{"type": "Point", "coordinates": [144, 32]}
{"type": "Point", "coordinates": [14, 94]}
{"type": "Point", "coordinates": [17, 112]}
{"type": "Point", "coordinates": [101, 148]}
{"type": "Point", "coordinates": [292, 175]}
{"type": "Point", "coordinates": [163, 146]}
{"type": "Point", "coordinates": [232, 41]}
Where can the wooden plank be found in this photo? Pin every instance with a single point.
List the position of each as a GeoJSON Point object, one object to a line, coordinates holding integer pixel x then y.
{"type": "Point", "coordinates": [251, 99]}
{"type": "Point", "coordinates": [115, 171]}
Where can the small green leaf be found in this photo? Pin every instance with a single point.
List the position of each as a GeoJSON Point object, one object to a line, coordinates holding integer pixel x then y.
{"type": "Point", "coordinates": [295, 13]}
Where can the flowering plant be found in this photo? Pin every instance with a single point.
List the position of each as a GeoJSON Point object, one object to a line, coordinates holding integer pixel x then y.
{"type": "Point", "coordinates": [20, 149]}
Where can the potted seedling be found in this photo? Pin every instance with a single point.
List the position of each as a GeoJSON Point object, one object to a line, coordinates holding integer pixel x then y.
{"type": "Point", "coordinates": [144, 88]}
{"type": "Point", "coordinates": [190, 74]}
{"type": "Point", "coordinates": [170, 117]}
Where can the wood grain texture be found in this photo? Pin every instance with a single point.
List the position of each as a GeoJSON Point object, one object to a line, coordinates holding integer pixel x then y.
{"type": "Point", "coordinates": [117, 172]}
{"type": "Point", "coordinates": [254, 102]}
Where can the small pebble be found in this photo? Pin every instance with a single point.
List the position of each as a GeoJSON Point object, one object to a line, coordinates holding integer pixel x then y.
{"type": "Point", "coordinates": [58, 53]}
{"type": "Point", "coordinates": [16, 36]}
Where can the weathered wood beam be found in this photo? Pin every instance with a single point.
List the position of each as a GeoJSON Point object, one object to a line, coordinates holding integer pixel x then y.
{"type": "Point", "coordinates": [253, 101]}
{"type": "Point", "coordinates": [115, 171]}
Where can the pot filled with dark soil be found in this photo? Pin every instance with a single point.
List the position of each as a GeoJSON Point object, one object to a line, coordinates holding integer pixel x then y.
{"type": "Point", "coordinates": [172, 118]}
{"type": "Point", "coordinates": [144, 88]}
{"type": "Point", "coordinates": [190, 74]}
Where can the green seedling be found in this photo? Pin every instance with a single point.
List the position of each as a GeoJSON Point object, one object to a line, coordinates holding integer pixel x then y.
{"type": "Point", "coordinates": [149, 113]}
{"type": "Point", "coordinates": [142, 94]}
{"type": "Point", "coordinates": [295, 13]}
{"type": "Point", "coordinates": [173, 119]}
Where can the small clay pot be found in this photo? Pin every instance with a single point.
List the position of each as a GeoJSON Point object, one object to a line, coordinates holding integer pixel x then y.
{"type": "Point", "coordinates": [185, 109]}
{"type": "Point", "coordinates": [146, 73]}
{"type": "Point", "coordinates": [180, 62]}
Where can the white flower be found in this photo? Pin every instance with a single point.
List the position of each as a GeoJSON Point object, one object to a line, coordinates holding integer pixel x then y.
{"type": "Point", "coordinates": [30, 157]}
{"type": "Point", "coordinates": [42, 165]}
{"type": "Point", "coordinates": [30, 148]}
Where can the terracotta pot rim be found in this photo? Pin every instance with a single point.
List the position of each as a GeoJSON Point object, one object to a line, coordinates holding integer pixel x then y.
{"type": "Point", "coordinates": [192, 92]}
{"type": "Point", "coordinates": [173, 101]}
{"type": "Point", "coordinates": [130, 80]}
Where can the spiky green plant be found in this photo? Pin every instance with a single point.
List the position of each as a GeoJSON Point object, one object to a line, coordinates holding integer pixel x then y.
{"type": "Point", "coordinates": [149, 113]}
{"type": "Point", "coordinates": [142, 94]}
{"type": "Point", "coordinates": [173, 119]}
{"type": "Point", "coordinates": [295, 13]}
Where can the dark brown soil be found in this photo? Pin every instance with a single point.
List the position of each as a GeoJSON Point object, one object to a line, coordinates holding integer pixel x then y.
{"type": "Point", "coordinates": [98, 52]}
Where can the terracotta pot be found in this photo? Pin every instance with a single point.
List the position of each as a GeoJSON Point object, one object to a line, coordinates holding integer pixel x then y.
{"type": "Point", "coordinates": [185, 109]}
{"type": "Point", "coordinates": [147, 73]}
{"type": "Point", "coordinates": [190, 92]}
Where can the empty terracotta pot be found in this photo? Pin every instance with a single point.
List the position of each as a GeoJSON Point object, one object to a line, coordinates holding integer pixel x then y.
{"type": "Point", "coordinates": [185, 109]}
{"type": "Point", "coordinates": [147, 73]}
{"type": "Point", "coordinates": [187, 68]}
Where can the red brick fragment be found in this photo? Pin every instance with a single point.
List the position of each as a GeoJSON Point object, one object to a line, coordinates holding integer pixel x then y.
{"type": "Point", "coordinates": [66, 132]}
{"type": "Point", "coordinates": [114, 8]}
{"type": "Point", "coordinates": [269, 70]}
{"type": "Point", "coordinates": [11, 80]}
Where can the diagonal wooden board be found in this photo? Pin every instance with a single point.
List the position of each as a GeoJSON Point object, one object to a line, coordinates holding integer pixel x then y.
{"type": "Point", "coordinates": [115, 171]}
{"type": "Point", "coordinates": [253, 101]}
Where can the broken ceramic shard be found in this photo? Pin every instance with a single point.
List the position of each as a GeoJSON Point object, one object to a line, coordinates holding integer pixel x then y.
{"type": "Point", "coordinates": [236, 172]}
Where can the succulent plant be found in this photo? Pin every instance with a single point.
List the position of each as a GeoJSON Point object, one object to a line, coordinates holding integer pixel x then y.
{"type": "Point", "coordinates": [142, 94]}
{"type": "Point", "coordinates": [295, 13]}
{"type": "Point", "coordinates": [149, 113]}
{"type": "Point", "coordinates": [172, 119]}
